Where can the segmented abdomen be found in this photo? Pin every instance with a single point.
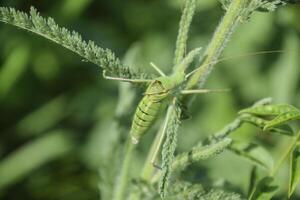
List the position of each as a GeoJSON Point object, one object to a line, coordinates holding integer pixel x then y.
{"type": "Point", "coordinates": [146, 112]}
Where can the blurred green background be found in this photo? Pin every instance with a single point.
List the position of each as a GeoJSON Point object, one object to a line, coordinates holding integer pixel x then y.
{"type": "Point", "coordinates": [61, 123]}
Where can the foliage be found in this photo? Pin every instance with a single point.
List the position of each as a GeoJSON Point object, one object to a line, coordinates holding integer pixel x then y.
{"type": "Point", "coordinates": [71, 40]}
{"type": "Point", "coordinates": [85, 142]}
{"type": "Point", "coordinates": [294, 170]}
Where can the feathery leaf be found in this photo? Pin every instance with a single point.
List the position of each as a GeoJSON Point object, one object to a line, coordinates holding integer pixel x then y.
{"type": "Point", "coordinates": [184, 26]}
{"type": "Point", "coordinates": [200, 153]}
{"type": "Point", "coordinates": [261, 5]}
{"type": "Point", "coordinates": [47, 28]}
{"type": "Point", "coordinates": [187, 190]}
{"type": "Point", "coordinates": [216, 194]}
{"type": "Point", "coordinates": [193, 191]}
{"type": "Point", "coordinates": [188, 59]}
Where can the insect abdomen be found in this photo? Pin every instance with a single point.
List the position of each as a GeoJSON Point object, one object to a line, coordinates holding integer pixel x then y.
{"type": "Point", "coordinates": [146, 112]}
{"type": "Point", "coordinates": [145, 115]}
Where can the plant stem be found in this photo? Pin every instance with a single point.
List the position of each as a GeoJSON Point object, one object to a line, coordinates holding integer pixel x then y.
{"type": "Point", "coordinates": [285, 154]}
{"type": "Point", "coordinates": [122, 180]}
{"type": "Point", "coordinates": [213, 51]}
{"type": "Point", "coordinates": [148, 169]}
{"type": "Point", "coordinates": [220, 38]}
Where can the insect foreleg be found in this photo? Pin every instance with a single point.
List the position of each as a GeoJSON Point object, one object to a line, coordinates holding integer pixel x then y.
{"type": "Point", "coordinates": [203, 91]}
{"type": "Point", "coordinates": [125, 79]}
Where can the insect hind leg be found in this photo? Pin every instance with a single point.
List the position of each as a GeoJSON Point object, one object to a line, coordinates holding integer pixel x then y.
{"type": "Point", "coordinates": [203, 91]}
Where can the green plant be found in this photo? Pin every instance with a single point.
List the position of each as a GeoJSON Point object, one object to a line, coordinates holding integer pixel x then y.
{"type": "Point", "coordinates": [236, 12]}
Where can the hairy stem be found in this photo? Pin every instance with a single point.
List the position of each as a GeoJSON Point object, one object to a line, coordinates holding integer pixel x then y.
{"type": "Point", "coordinates": [184, 27]}
{"type": "Point", "coordinates": [122, 179]}
{"type": "Point", "coordinates": [148, 169]}
{"type": "Point", "coordinates": [220, 38]}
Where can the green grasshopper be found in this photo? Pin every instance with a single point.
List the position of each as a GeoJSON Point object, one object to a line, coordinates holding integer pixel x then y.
{"type": "Point", "coordinates": [160, 91]}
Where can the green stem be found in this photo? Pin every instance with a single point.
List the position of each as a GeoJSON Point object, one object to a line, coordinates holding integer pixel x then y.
{"type": "Point", "coordinates": [122, 180]}
{"type": "Point", "coordinates": [285, 154]}
{"type": "Point", "coordinates": [148, 169]}
{"type": "Point", "coordinates": [219, 41]}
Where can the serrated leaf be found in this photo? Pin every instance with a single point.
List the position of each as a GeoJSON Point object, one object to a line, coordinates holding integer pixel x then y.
{"type": "Point", "coordinates": [269, 110]}
{"type": "Point", "coordinates": [282, 118]}
{"type": "Point", "coordinates": [264, 190]}
{"type": "Point", "coordinates": [294, 169]}
{"type": "Point", "coordinates": [257, 155]}
{"type": "Point", "coordinates": [261, 123]}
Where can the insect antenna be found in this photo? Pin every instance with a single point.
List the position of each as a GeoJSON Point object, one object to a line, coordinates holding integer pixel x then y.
{"type": "Point", "coordinates": [157, 69]}
{"type": "Point", "coordinates": [203, 91]}
{"type": "Point", "coordinates": [234, 57]}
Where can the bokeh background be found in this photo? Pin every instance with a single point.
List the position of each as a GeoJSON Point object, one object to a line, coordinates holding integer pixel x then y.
{"type": "Point", "coordinates": [62, 124]}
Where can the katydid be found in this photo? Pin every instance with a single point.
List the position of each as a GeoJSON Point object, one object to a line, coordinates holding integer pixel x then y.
{"type": "Point", "coordinates": [159, 92]}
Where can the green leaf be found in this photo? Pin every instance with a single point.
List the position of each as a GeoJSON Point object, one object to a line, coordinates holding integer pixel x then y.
{"type": "Point", "coordinates": [183, 190]}
{"type": "Point", "coordinates": [47, 28]}
{"type": "Point", "coordinates": [261, 123]}
{"type": "Point", "coordinates": [217, 194]}
{"type": "Point", "coordinates": [281, 114]}
{"type": "Point", "coordinates": [257, 155]}
{"type": "Point", "coordinates": [269, 6]}
{"type": "Point", "coordinates": [294, 169]}
{"type": "Point", "coordinates": [32, 155]}
{"type": "Point", "coordinates": [264, 190]}
{"type": "Point", "coordinates": [13, 68]}
{"type": "Point", "coordinates": [282, 118]}
{"type": "Point", "coordinates": [186, 190]}
{"type": "Point", "coordinates": [269, 110]}
{"type": "Point", "coordinates": [253, 180]}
